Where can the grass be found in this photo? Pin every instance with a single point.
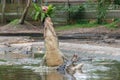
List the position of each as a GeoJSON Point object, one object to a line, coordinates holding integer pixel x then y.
{"type": "Point", "coordinates": [113, 25]}
{"type": "Point", "coordinates": [86, 24]}
{"type": "Point", "coordinates": [38, 55]}
{"type": "Point", "coordinates": [2, 60]}
{"type": "Point", "coordinates": [75, 26]}
{"type": "Point", "coordinates": [14, 22]}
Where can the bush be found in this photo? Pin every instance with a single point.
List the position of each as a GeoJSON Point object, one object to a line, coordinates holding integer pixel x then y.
{"type": "Point", "coordinates": [117, 2]}
{"type": "Point", "coordinates": [102, 7]}
{"type": "Point", "coordinates": [75, 13]}
{"type": "Point", "coordinates": [114, 24]}
{"type": "Point", "coordinates": [39, 14]}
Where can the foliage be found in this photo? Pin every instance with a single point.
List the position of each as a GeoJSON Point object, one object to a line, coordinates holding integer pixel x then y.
{"type": "Point", "coordinates": [50, 10]}
{"type": "Point", "coordinates": [14, 22]}
{"type": "Point", "coordinates": [117, 2]}
{"type": "Point", "coordinates": [75, 12]}
{"type": "Point", "coordinates": [90, 5]}
{"type": "Point", "coordinates": [39, 14]}
{"type": "Point", "coordinates": [102, 7]}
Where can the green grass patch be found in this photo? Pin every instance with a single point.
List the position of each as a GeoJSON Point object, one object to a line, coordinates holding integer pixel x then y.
{"type": "Point", "coordinates": [14, 22]}
{"type": "Point", "coordinates": [113, 25]}
{"type": "Point", "coordinates": [75, 26]}
{"type": "Point", "coordinates": [2, 60]}
{"type": "Point", "coordinates": [38, 55]}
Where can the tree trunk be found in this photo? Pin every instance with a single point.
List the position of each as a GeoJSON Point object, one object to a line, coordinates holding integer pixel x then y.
{"type": "Point", "coordinates": [3, 11]}
{"type": "Point", "coordinates": [25, 12]}
{"type": "Point", "coordinates": [53, 55]}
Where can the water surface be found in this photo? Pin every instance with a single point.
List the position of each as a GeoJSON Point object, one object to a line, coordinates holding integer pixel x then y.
{"type": "Point", "coordinates": [97, 70]}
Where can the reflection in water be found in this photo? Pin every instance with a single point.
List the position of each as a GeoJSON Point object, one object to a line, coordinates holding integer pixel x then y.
{"type": "Point", "coordinates": [54, 76]}
{"type": "Point", "coordinates": [57, 76]}
{"type": "Point", "coordinates": [16, 73]}
{"type": "Point", "coordinates": [96, 72]}
{"type": "Point", "coordinates": [113, 72]}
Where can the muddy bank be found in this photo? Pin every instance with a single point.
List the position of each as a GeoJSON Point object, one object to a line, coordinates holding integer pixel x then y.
{"type": "Point", "coordinates": [84, 50]}
{"type": "Point", "coordinates": [94, 51]}
{"type": "Point", "coordinates": [25, 47]}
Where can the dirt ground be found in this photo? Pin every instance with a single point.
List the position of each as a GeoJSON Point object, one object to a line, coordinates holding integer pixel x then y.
{"type": "Point", "coordinates": [19, 28]}
{"type": "Point", "coordinates": [96, 48]}
{"type": "Point", "coordinates": [113, 41]}
{"type": "Point", "coordinates": [97, 30]}
{"type": "Point", "coordinates": [96, 43]}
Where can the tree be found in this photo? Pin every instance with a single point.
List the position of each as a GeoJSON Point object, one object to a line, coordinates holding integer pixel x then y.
{"type": "Point", "coordinates": [3, 11]}
{"type": "Point", "coordinates": [102, 7]}
{"type": "Point", "coordinates": [116, 2]}
{"type": "Point", "coordinates": [25, 12]}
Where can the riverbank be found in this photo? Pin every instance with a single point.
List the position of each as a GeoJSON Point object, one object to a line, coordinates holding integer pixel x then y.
{"type": "Point", "coordinates": [70, 48]}
{"type": "Point", "coordinates": [83, 41]}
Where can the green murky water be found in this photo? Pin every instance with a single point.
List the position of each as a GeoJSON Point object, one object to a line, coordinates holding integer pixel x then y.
{"type": "Point", "coordinates": [17, 73]}
{"type": "Point", "coordinates": [111, 71]}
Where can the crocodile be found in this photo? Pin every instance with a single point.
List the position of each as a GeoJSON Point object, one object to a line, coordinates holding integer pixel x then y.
{"type": "Point", "coordinates": [53, 56]}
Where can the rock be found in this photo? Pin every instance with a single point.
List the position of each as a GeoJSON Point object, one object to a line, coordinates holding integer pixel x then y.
{"type": "Point", "coordinates": [74, 69]}
{"type": "Point", "coordinates": [109, 40]}
{"type": "Point", "coordinates": [44, 69]}
{"type": "Point", "coordinates": [106, 39]}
